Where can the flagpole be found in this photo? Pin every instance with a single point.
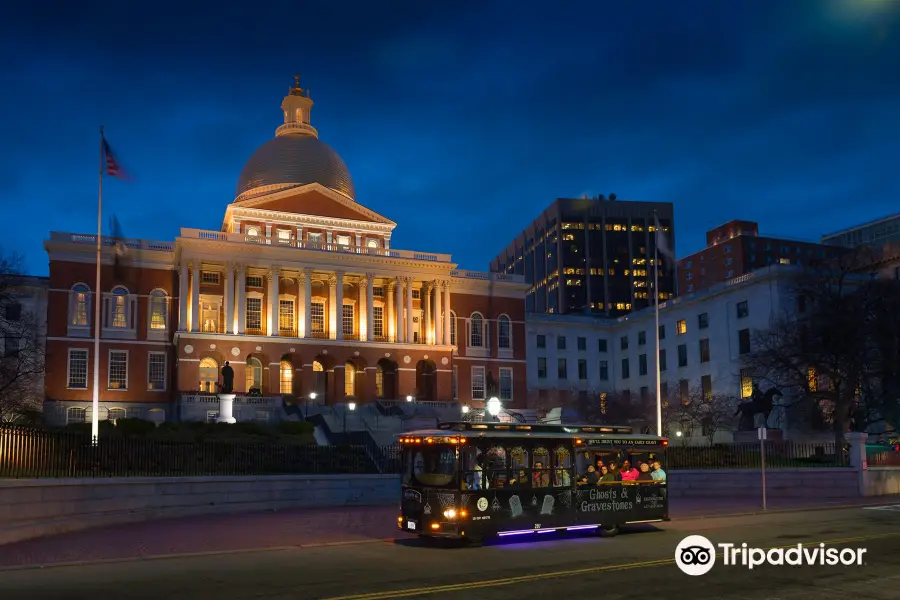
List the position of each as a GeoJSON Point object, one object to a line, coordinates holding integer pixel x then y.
{"type": "Point", "coordinates": [659, 427]}
{"type": "Point", "coordinates": [95, 404]}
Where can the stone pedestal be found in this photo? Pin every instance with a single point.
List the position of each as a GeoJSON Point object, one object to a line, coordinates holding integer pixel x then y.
{"type": "Point", "coordinates": [752, 436]}
{"type": "Point", "coordinates": [226, 409]}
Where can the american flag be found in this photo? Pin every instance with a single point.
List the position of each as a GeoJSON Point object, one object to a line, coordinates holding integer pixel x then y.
{"type": "Point", "coordinates": [112, 163]}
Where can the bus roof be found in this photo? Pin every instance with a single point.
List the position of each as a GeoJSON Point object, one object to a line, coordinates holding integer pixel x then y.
{"type": "Point", "coordinates": [521, 430]}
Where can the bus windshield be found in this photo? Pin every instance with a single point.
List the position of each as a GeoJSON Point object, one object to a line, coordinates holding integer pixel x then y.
{"type": "Point", "coordinates": [430, 466]}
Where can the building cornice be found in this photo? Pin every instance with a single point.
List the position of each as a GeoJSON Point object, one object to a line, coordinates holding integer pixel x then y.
{"type": "Point", "coordinates": [182, 336]}
{"type": "Point", "coordinates": [310, 220]}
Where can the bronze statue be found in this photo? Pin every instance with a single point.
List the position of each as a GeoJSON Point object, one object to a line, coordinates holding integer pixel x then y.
{"type": "Point", "coordinates": [760, 403]}
{"type": "Point", "coordinates": [491, 386]}
{"type": "Point", "coordinates": [227, 379]}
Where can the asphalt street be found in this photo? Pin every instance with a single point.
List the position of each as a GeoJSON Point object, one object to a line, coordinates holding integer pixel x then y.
{"type": "Point", "coordinates": [638, 563]}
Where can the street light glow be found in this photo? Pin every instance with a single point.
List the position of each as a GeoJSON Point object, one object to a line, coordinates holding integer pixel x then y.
{"type": "Point", "coordinates": [409, 398]}
{"type": "Point", "coordinates": [465, 409]}
{"type": "Point", "coordinates": [352, 406]}
{"type": "Point", "coordinates": [493, 406]}
{"type": "Point", "coordinates": [312, 395]}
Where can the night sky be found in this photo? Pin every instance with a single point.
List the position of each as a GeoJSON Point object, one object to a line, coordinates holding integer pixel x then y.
{"type": "Point", "coordinates": [458, 120]}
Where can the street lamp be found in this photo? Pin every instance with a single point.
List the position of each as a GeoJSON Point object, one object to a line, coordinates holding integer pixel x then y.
{"type": "Point", "coordinates": [493, 406]}
{"type": "Point", "coordinates": [350, 407]}
{"type": "Point", "coordinates": [409, 398]}
{"type": "Point", "coordinates": [465, 409]}
{"type": "Point", "coordinates": [312, 396]}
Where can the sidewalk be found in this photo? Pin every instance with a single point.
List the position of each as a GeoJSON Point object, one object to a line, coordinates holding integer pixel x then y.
{"type": "Point", "coordinates": [294, 528]}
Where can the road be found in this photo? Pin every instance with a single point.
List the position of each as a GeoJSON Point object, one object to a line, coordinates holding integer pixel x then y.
{"type": "Point", "coordinates": [638, 563]}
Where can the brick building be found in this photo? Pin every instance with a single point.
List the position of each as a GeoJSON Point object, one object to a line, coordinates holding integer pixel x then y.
{"type": "Point", "coordinates": [300, 291]}
{"type": "Point", "coordinates": [735, 249]}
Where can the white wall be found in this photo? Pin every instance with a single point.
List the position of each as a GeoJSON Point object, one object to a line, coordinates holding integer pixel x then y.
{"type": "Point", "coordinates": [765, 292]}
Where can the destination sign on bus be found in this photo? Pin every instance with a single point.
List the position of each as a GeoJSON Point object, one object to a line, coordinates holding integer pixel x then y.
{"type": "Point", "coordinates": [621, 442]}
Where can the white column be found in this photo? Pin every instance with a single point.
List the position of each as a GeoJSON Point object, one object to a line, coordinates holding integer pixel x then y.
{"type": "Point", "coordinates": [389, 327]}
{"type": "Point", "coordinates": [370, 303]}
{"type": "Point", "coordinates": [362, 303]}
{"type": "Point", "coordinates": [447, 323]}
{"type": "Point", "coordinates": [302, 302]}
{"type": "Point", "coordinates": [183, 295]}
{"type": "Point", "coordinates": [438, 321]}
{"type": "Point", "coordinates": [240, 288]}
{"type": "Point", "coordinates": [273, 275]}
{"type": "Point", "coordinates": [339, 305]}
{"type": "Point", "coordinates": [425, 300]}
{"type": "Point", "coordinates": [195, 296]}
{"type": "Point", "coordinates": [409, 311]}
{"type": "Point", "coordinates": [229, 298]}
{"type": "Point", "coordinates": [307, 302]}
{"type": "Point", "coordinates": [400, 335]}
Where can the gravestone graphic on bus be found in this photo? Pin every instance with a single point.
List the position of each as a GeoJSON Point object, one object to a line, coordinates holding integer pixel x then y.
{"type": "Point", "coordinates": [515, 505]}
{"type": "Point", "coordinates": [547, 507]}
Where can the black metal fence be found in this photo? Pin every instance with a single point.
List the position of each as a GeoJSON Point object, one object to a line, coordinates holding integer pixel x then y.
{"type": "Point", "coordinates": [779, 455]}
{"type": "Point", "coordinates": [27, 453]}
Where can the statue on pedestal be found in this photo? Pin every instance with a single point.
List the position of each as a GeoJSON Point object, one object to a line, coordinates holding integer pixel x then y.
{"type": "Point", "coordinates": [227, 379]}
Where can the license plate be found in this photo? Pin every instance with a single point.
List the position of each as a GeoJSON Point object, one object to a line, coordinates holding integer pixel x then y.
{"type": "Point", "coordinates": [411, 525]}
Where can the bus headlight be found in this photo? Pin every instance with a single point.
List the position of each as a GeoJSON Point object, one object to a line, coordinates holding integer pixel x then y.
{"type": "Point", "coordinates": [450, 513]}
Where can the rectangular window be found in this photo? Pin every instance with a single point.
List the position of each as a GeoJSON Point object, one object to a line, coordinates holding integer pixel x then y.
{"type": "Point", "coordinates": [642, 338]}
{"type": "Point", "coordinates": [317, 316]}
{"type": "Point", "coordinates": [642, 365]}
{"type": "Point", "coordinates": [604, 370]}
{"type": "Point", "coordinates": [623, 342]}
{"type": "Point", "coordinates": [582, 344]}
{"type": "Point", "coordinates": [664, 392]}
{"type": "Point", "coordinates": [542, 368]}
{"type": "Point", "coordinates": [662, 332]}
{"type": "Point", "coordinates": [378, 291]}
{"type": "Point", "coordinates": [253, 321]}
{"type": "Point", "coordinates": [347, 320]}
{"type": "Point", "coordinates": [706, 387]}
{"type": "Point", "coordinates": [582, 369]}
{"type": "Point", "coordinates": [702, 320]}
{"type": "Point", "coordinates": [454, 382]}
{"type": "Point", "coordinates": [681, 327]}
{"type": "Point", "coordinates": [11, 346]}
{"type": "Point", "coordinates": [704, 350]}
{"type": "Point", "coordinates": [684, 391]}
{"type": "Point", "coordinates": [13, 312]}
{"type": "Point", "coordinates": [625, 369]}
{"type": "Point", "coordinates": [118, 370]}
{"type": "Point", "coordinates": [682, 355]}
{"type": "Point", "coordinates": [254, 281]}
{"type": "Point", "coordinates": [156, 371]}
{"type": "Point", "coordinates": [542, 341]}
{"type": "Point", "coordinates": [286, 317]}
{"type": "Point", "coordinates": [601, 346]}
{"type": "Point", "coordinates": [209, 316]}
{"type": "Point", "coordinates": [645, 394]}
{"type": "Point", "coordinates": [416, 294]}
{"type": "Point", "coordinates": [209, 277]}
{"type": "Point", "coordinates": [378, 321]}
{"type": "Point", "coordinates": [662, 360]}
{"type": "Point", "coordinates": [743, 309]}
{"type": "Point", "coordinates": [504, 337]}
{"type": "Point", "coordinates": [78, 369]}
{"type": "Point", "coordinates": [562, 369]}
{"type": "Point", "coordinates": [746, 384]}
{"type": "Point", "coordinates": [744, 341]}
{"type": "Point", "coordinates": [561, 342]}
{"type": "Point", "coordinates": [506, 384]}
{"type": "Point", "coordinates": [477, 383]}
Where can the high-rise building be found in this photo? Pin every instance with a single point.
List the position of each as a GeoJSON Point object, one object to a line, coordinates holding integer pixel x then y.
{"type": "Point", "coordinates": [735, 249]}
{"type": "Point", "coordinates": [874, 233]}
{"type": "Point", "coordinates": [591, 255]}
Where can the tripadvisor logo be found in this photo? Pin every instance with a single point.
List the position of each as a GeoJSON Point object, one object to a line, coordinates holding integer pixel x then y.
{"type": "Point", "coordinates": [696, 555]}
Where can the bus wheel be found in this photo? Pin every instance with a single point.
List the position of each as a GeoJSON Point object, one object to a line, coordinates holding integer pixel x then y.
{"type": "Point", "coordinates": [474, 540]}
{"type": "Point", "coordinates": [609, 530]}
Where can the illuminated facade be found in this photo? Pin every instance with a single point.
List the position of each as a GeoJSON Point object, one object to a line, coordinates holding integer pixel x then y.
{"type": "Point", "coordinates": [300, 291]}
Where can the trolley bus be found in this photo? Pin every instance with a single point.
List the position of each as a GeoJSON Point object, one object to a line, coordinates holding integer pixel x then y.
{"type": "Point", "coordinates": [475, 480]}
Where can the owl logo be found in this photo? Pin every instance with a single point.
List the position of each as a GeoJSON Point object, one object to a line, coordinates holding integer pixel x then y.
{"type": "Point", "coordinates": [482, 504]}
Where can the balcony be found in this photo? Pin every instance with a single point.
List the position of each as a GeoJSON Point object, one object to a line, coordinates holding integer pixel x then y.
{"type": "Point", "coordinates": [240, 238]}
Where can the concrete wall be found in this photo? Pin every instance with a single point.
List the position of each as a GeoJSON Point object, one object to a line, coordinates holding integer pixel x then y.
{"type": "Point", "coordinates": [39, 507]}
{"type": "Point", "coordinates": [879, 481]}
{"type": "Point", "coordinates": [809, 483]}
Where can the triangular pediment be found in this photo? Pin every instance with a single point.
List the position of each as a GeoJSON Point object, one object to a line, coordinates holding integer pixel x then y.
{"type": "Point", "coordinates": [315, 200]}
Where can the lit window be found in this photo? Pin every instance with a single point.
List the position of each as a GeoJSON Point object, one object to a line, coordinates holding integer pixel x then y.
{"type": "Point", "coordinates": [343, 240]}
{"type": "Point", "coordinates": [347, 320]}
{"type": "Point", "coordinates": [79, 305]}
{"type": "Point", "coordinates": [286, 317]}
{"type": "Point", "coordinates": [118, 370]}
{"type": "Point", "coordinates": [349, 379]}
{"type": "Point", "coordinates": [379, 381]}
{"type": "Point", "coordinates": [681, 327]}
{"type": "Point", "coordinates": [253, 319]}
{"type": "Point", "coordinates": [209, 375]}
{"type": "Point", "coordinates": [114, 414]}
{"type": "Point", "coordinates": [378, 321]}
{"type": "Point", "coordinates": [254, 374]}
{"type": "Point", "coordinates": [156, 371]}
{"type": "Point", "coordinates": [159, 305]}
{"type": "Point", "coordinates": [78, 369]}
{"type": "Point", "coordinates": [76, 415]}
{"type": "Point", "coordinates": [317, 316]}
{"type": "Point", "coordinates": [118, 308]}
{"type": "Point", "coordinates": [372, 243]}
{"type": "Point", "coordinates": [209, 316]}
{"type": "Point", "coordinates": [286, 370]}
{"type": "Point", "coordinates": [476, 330]}
{"type": "Point", "coordinates": [452, 328]}
{"type": "Point", "coordinates": [253, 231]}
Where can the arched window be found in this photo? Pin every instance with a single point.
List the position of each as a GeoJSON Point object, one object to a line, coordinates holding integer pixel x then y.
{"type": "Point", "coordinates": [371, 243]}
{"type": "Point", "coordinates": [299, 116]}
{"type": "Point", "coordinates": [114, 414]}
{"type": "Point", "coordinates": [287, 377]}
{"type": "Point", "coordinates": [209, 375]}
{"type": "Point", "coordinates": [476, 330]}
{"type": "Point", "coordinates": [78, 308]}
{"type": "Point", "coordinates": [379, 381]}
{"type": "Point", "coordinates": [76, 414]}
{"type": "Point", "coordinates": [317, 367]}
{"type": "Point", "coordinates": [118, 308]}
{"type": "Point", "coordinates": [349, 379]}
{"type": "Point", "coordinates": [504, 333]}
{"type": "Point", "coordinates": [156, 415]}
{"type": "Point", "coordinates": [254, 374]}
{"type": "Point", "coordinates": [452, 328]}
{"type": "Point", "coordinates": [159, 310]}
{"type": "Point", "coordinates": [254, 231]}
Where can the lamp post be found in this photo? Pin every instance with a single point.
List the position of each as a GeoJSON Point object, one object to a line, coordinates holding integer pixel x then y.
{"type": "Point", "coordinates": [409, 398]}
{"type": "Point", "coordinates": [493, 407]}
{"type": "Point", "coordinates": [351, 406]}
{"type": "Point", "coordinates": [465, 411]}
{"type": "Point", "coordinates": [312, 396]}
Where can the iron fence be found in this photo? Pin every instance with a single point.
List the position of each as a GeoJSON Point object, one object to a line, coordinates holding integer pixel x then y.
{"type": "Point", "coordinates": [28, 453]}
{"type": "Point", "coordinates": [883, 458]}
{"type": "Point", "coordinates": [779, 455]}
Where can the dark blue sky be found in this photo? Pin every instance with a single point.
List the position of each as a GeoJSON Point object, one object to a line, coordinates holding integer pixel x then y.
{"type": "Point", "coordinates": [460, 121]}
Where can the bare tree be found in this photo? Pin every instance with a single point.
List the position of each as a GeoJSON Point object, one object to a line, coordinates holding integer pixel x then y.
{"type": "Point", "coordinates": [712, 413]}
{"type": "Point", "coordinates": [822, 350]}
{"type": "Point", "coordinates": [22, 351]}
